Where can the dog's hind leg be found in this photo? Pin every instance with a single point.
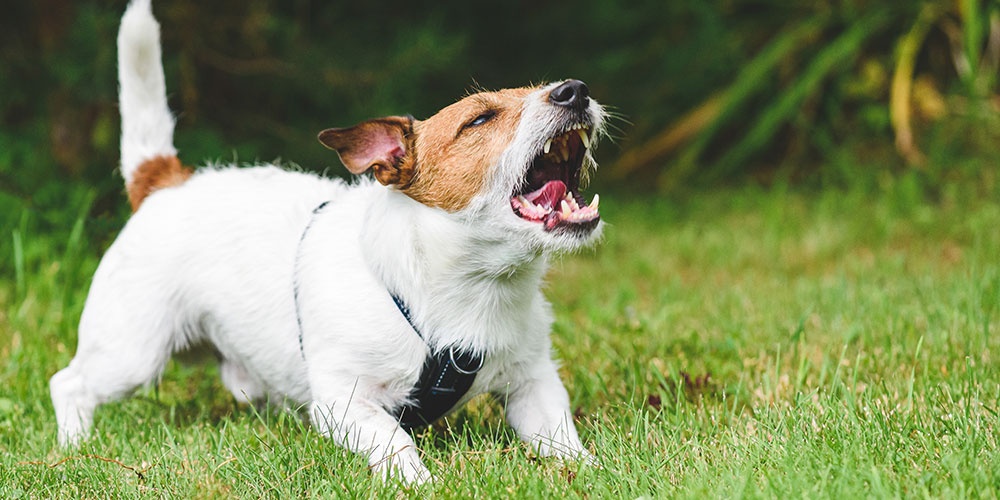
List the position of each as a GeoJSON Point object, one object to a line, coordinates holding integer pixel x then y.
{"type": "Point", "coordinates": [239, 382]}
{"type": "Point", "coordinates": [73, 405]}
{"type": "Point", "coordinates": [122, 345]}
{"type": "Point", "coordinates": [91, 380]}
{"type": "Point", "coordinates": [98, 376]}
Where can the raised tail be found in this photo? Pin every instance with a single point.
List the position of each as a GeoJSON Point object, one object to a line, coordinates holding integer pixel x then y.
{"type": "Point", "coordinates": [149, 159]}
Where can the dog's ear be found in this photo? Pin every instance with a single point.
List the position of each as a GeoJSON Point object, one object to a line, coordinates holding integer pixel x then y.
{"type": "Point", "coordinates": [382, 145]}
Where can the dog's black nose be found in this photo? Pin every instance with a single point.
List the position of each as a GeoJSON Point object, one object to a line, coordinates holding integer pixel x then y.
{"type": "Point", "coordinates": [571, 94]}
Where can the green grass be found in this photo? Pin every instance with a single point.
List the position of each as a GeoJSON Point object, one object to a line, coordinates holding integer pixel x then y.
{"type": "Point", "coordinates": [736, 343]}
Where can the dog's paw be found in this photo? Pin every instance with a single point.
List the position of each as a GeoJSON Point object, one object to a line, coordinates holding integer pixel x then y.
{"type": "Point", "coordinates": [573, 454]}
{"type": "Point", "coordinates": [589, 459]}
{"type": "Point", "coordinates": [416, 477]}
{"type": "Point", "coordinates": [407, 470]}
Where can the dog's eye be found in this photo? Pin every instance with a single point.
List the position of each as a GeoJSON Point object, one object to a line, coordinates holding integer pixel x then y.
{"type": "Point", "coordinates": [481, 119]}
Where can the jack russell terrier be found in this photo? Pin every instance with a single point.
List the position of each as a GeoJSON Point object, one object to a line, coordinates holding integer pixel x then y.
{"type": "Point", "coordinates": [378, 306]}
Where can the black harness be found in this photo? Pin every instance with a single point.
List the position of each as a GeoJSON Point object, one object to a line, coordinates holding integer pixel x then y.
{"type": "Point", "coordinates": [446, 377]}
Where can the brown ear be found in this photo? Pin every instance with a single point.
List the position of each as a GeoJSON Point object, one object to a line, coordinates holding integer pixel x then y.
{"type": "Point", "coordinates": [382, 145]}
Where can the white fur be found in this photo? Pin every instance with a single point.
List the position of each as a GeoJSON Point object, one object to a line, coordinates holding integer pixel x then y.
{"type": "Point", "coordinates": [147, 125]}
{"type": "Point", "coordinates": [226, 259]}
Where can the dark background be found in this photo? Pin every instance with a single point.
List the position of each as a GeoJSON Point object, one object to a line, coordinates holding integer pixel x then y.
{"type": "Point", "coordinates": [705, 93]}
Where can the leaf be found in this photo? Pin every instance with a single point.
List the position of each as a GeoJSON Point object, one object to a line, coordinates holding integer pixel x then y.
{"type": "Point", "coordinates": [748, 83]}
{"type": "Point", "coordinates": [765, 127]}
{"type": "Point", "coordinates": [902, 82]}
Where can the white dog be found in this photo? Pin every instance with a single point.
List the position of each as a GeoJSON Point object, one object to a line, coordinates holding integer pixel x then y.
{"type": "Point", "coordinates": [379, 306]}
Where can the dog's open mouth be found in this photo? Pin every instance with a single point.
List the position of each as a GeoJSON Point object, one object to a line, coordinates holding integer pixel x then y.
{"type": "Point", "coordinates": [550, 191]}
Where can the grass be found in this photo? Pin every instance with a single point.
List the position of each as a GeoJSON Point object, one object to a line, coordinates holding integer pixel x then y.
{"type": "Point", "coordinates": [748, 342]}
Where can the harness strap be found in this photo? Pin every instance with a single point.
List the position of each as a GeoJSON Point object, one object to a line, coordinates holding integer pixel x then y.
{"type": "Point", "coordinates": [446, 377]}
{"type": "Point", "coordinates": [295, 274]}
{"type": "Point", "coordinates": [447, 374]}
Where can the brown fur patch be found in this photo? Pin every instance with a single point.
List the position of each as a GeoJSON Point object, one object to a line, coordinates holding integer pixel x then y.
{"type": "Point", "coordinates": [156, 173]}
{"type": "Point", "coordinates": [453, 157]}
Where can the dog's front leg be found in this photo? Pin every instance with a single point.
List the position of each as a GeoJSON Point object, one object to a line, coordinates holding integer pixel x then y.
{"type": "Point", "coordinates": [365, 428]}
{"type": "Point", "coordinates": [537, 407]}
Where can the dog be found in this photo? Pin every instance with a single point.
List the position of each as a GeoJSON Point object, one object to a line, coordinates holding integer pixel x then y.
{"type": "Point", "coordinates": [379, 304]}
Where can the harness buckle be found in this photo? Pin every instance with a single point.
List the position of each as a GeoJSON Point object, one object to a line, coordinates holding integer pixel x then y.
{"type": "Point", "coordinates": [459, 368]}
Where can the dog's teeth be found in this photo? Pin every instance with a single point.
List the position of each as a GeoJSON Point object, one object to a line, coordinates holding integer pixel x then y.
{"type": "Point", "coordinates": [596, 201]}
{"type": "Point", "coordinates": [566, 211]}
{"type": "Point", "coordinates": [548, 146]}
{"type": "Point", "coordinates": [572, 203]}
{"type": "Point", "coordinates": [584, 138]}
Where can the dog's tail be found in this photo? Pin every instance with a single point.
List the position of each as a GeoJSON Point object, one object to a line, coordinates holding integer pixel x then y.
{"type": "Point", "coordinates": [149, 159]}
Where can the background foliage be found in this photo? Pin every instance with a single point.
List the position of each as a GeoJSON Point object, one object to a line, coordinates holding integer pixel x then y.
{"type": "Point", "coordinates": [707, 92]}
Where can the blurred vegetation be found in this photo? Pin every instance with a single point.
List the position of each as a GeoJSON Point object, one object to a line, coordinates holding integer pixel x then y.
{"type": "Point", "coordinates": [820, 91]}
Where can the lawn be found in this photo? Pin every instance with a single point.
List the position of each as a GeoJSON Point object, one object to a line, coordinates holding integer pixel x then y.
{"type": "Point", "coordinates": [741, 342]}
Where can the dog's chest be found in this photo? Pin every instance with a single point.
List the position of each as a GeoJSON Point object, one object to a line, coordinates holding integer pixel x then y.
{"type": "Point", "coordinates": [352, 260]}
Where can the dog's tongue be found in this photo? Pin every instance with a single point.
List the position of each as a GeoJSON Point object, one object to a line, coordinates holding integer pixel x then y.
{"type": "Point", "coordinates": [554, 206]}
{"type": "Point", "coordinates": [549, 195]}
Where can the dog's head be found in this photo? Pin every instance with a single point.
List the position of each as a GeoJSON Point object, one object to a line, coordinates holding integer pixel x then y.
{"type": "Point", "coordinates": [513, 160]}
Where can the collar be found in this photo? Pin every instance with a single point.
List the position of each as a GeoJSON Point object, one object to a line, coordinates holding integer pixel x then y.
{"type": "Point", "coordinates": [446, 377]}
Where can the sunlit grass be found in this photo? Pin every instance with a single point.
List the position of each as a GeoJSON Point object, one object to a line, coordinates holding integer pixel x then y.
{"type": "Point", "coordinates": [736, 343]}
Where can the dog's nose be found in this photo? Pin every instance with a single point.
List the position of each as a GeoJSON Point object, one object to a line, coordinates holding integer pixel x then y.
{"type": "Point", "coordinates": [571, 94]}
